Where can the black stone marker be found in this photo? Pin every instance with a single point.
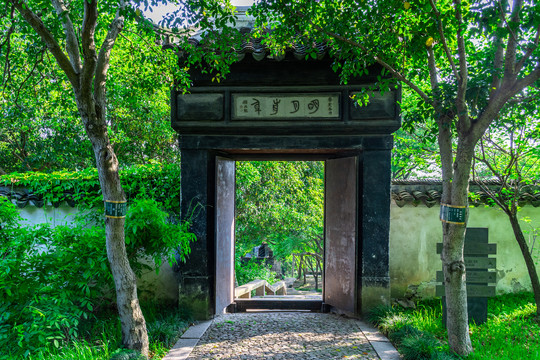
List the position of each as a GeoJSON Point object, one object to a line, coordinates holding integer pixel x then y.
{"type": "Point", "coordinates": [477, 263]}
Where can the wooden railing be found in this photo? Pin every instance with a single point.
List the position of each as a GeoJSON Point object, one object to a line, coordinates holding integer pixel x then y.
{"type": "Point", "coordinates": [261, 288]}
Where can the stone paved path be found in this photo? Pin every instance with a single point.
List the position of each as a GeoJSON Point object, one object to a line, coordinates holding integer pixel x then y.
{"type": "Point", "coordinates": [283, 335]}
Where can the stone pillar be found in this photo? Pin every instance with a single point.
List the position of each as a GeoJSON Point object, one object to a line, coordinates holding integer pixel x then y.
{"type": "Point", "coordinates": [340, 217]}
{"type": "Point", "coordinates": [374, 219]}
{"type": "Point", "coordinates": [196, 275]}
{"type": "Point", "coordinates": [224, 234]}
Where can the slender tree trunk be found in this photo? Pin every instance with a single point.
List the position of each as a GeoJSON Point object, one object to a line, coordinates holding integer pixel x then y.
{"type": "Point", "coordinates": [455, 192]}
{"type": "Point", "coordinates": [88, 79]}
{"type": "Point", "coordinates": [300, 267]}
{"type": "Point", "coordinates": [457, 322]}
{"type": "Point", "coordinates": [314, 273]}
{"type": "Point", "coordinates": [319, 268]}
{"type": "Point", "coordinates": [134, 334]}
{"type": "Point", "coordinates": [531, 267]}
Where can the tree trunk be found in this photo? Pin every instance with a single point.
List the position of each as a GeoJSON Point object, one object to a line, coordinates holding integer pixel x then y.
{"type": "Point", "coordinates": [134, 334]}
{"type": "Point", "coordinates": [455, 192]}
{"type": "Point", "coordinates": [531, 267]}
{"type": "Point", "coordinates": [300, 267]}
{"type": "Point", "coordinates": [457, 322]}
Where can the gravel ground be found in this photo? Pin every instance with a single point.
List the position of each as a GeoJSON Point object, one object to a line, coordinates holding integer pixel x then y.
{"type": "Point", "coordinates": [282, 335]}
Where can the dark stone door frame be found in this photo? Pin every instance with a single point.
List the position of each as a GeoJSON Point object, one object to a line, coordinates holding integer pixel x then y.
{"type": "Point", "coordinates": [198, 279]}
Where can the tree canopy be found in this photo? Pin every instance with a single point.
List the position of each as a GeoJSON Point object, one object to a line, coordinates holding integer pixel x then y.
{"type": "Point", "coordinates": [41, 129]}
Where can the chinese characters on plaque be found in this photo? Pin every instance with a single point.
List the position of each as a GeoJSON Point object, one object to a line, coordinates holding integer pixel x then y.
{"type": "Point", "coordinates": [285, 106]}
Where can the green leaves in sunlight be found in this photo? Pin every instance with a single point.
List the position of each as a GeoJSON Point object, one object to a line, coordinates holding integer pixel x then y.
{"type": "Point", "coordinates": [151, 234]}
{"type": "Point", "coordinates": [280, 203]}
{"type": "Point", "coordinates": [54, 280]}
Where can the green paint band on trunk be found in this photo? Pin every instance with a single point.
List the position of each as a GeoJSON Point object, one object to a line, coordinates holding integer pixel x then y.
{"type": "Point", "coordinates": [115, 209]}
{"type": "Point", "coordinates": [453, 214]}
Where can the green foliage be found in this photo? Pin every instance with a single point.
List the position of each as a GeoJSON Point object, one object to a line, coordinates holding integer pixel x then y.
{"type": "Point", "coordinates": [400, 334]}
{"type": "Point", "coordinates": [42, 129]}
{"type": "Point", "coordinates": [278, 200]}
{"type": "Point", "coordinates": [510, 332]}
{"type": "Point", "coordinates": [52, 280]}
{"type": "Point", "coordinates": [253, 270]}
{"type": "Point", "coordinates": [9, 216]}
{"type": "Point", "coordinates": [281, 203]}
{"type": "Point", "coordinates": [379, 313]}
{"type": "Point", "coordinates": [123, 354]}
{"type": "Point", "coordinates": [165, 326]}
{"type": "Point", "coordinates": [101, 339]}
{"type": "Point", "coordinates": [149, 233]}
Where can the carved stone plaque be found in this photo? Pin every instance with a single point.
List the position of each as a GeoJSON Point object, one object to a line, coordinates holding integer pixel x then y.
{"type": "Point", "coordinates": [285, 106]}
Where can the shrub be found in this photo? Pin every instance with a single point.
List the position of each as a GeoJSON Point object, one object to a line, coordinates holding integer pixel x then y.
{"type": "Point", "coordinates": [397, 337]}
{"type": "Point", "coordinates": [123, 354]}
{"type": "Point", "coordinates": [441, 355]}
{"type": "Point", "coordinates": [149, 233]}
{"type": "Point", "coordinates": [379, 313]}
{"type": "Point", "coordinates": [55, 279]}
{"type": "Point", "coordinates": [52, 279]}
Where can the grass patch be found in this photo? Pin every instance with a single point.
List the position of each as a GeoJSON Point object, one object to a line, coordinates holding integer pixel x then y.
{"type": "Point", "coordinates": [511, 332]}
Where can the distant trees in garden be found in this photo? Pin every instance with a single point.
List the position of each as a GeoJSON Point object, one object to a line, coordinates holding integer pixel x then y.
{"type": "Point", "coordinates": [281, 203]}
{"type": "Point", "coordinates": [41, 129]}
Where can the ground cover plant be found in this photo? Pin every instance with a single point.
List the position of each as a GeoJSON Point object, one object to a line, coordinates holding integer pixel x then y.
{"type": "Point", "coordinates": [101, 338]}
{"type": "Point", "coordinates": [57, 290]}
{"type": "Point", "coordinates": [511, 332]}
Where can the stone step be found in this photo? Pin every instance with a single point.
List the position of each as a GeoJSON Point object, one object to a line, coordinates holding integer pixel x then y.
{"type": "Point", "coordinates": [242, 305]}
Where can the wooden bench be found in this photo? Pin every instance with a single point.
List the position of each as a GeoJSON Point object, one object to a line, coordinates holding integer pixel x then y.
{"type": "Point", "coordinates": [244, 291]}
{"type": "Point", "coordinates": [261, 288]}
{"type": "Point", "coordinates": [279, 288]}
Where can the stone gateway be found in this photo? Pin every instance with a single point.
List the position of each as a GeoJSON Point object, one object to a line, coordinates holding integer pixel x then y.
{"type": "Point", "coordinates": [287, 109]}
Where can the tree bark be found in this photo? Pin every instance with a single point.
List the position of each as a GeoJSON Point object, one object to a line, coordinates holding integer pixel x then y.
{"type": "Point", "coordinates": [300, 260]}
{"type": "Point", "coordinates": [134, 332]}
{"type": "Point", "coordinates": [455, 192]}
{"type": "Point", "coordinates": [529, 261]}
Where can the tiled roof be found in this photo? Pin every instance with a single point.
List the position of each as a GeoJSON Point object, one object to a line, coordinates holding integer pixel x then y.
{"type": "Point", "coordinates": [429, 192]}
{"type": "Point", "coordinates": [259, 51]}
{"type": "Point", "coordinates": [254, 47]}
{"type": "Point", "coordinates": [23, 197]}
{"type": "Point", "coordinates": [404, 192]}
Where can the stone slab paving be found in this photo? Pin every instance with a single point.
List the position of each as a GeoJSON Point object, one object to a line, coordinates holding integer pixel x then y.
{"type": "Point", "coordinates": [286, 335]}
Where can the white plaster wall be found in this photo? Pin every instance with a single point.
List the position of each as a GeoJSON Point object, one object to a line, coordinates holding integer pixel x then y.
{"type": "Point", "coordinates": [159, 287]}
{"type": "Point", "coordinates": [47, 214]}
{"type": "Point", "coordinates": [415, 231]}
